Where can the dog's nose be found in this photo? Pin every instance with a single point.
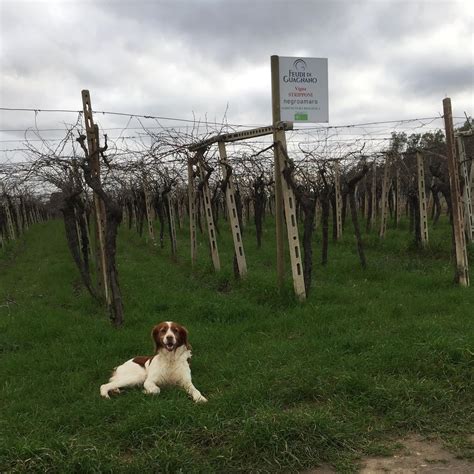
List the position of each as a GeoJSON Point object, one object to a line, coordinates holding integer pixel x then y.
{"type": "Point", "coordinates": [169, 338]}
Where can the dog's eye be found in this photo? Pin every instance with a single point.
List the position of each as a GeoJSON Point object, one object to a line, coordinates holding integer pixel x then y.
{"type": "Point", "coordinates": [175, 330]}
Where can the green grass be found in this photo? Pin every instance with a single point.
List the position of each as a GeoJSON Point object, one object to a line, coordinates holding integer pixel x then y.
{"type": "Point", "coordinates": [371, 356]}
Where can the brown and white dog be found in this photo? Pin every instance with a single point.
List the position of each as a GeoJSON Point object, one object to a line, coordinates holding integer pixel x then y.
{"type": "Point", "coordinates": [168, 366]}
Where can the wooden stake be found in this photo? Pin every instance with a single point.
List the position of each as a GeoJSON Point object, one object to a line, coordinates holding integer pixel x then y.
{"type": "Point", "coordinates": [461, 268]}
{"type": "Point", "coordinates": [174, 244]}
{"type": "Point", "coordinates": [422, 199]}
{"type": "Point", "coordinates": [385, 190]}
{"type": "Point", "coordinates": [466, 196]}
{"type": "Point", "coordinates": [18, 220]}
{"type": "Point", "coordinates": [398, 212]}
{"type": "Point", "coordinates": [92, 132]}
{"type": "Point", "coordinates": [192, 212]}
{"type": "Point", "coordinates": [149, 211]}
{"type": "Point", "coordinates": [232, 213]}
{"type": "Point", "coordinates": [10, 227]}
{"type": "Point", "coordinates": [292, 227]}
{"type": "Point", "coordinates": [366, 198]}
{"type": "Point", "coordinates": [373, 210]}
{"type": "Point", "coordinates": [337, 186]}
{"type": "Point", "coordinates": [278, 136]}
{"type": "Point", "coordinates": [211, 230]}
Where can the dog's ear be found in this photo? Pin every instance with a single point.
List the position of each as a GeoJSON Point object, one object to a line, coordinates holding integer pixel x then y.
{"type": "Point", "coordinates": [183, 335]}
{"type": "Point", "coordinates": [155, 335]}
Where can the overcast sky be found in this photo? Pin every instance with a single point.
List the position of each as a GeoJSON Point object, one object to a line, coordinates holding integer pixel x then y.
{"type": "Point", "coordinates": [388, 60]}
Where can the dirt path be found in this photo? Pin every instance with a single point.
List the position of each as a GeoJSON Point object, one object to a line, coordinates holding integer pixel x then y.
{"type": "Point", "coordinates": [418, 456]}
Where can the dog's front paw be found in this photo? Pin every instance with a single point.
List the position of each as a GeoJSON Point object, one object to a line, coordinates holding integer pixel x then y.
{"type": "Point", "coordinates": [200, 399]}
{"type": "Point", "coordinates": [152, 390]}
{"type": "Point", "coordinates": [104, 392]}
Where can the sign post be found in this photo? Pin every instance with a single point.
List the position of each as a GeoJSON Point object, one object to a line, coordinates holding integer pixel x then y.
{"type": "Point", "coordinates": [299, 94]}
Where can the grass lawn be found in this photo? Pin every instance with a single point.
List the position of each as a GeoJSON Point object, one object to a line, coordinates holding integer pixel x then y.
{"type": "Point", "coordinates": [371, 356]}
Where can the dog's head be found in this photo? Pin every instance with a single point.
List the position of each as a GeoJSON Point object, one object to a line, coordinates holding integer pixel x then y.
{"type": "Point", "coordinates": [170, 336]}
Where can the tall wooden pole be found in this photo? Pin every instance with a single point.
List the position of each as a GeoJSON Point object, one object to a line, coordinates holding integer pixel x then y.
{"type": "Point", "coordinates": [422, 199]}
{"type": "Point", "coordinates": [373, 207]}
{"type": "Point", "coordinates": [466, 196]}
{"type": "Point", "coordinates": [232, 213]}
{"type": "Point", "coordinates": [289, 202]}
{"type": "Point", "coordinates": [10, 226]}
{"type": "Point", "coordinates": [278, 136]}
{"type": "Point", "coordinates": [337, 190]}
{"type": "Point", "coordinates": [192, 212]}
{"type": "Point", "coordinates": [148, 209]}
{"type": "Point", "coordinates": [92, 133]}
{"type": "Point", "coordinates": [385, 190]}
{"type": "Point", "coordinates": [461, 263]}
{"type": "Point", "coordinates": [211, 228]}
{"type": "Point", "coordinates": [172, 226]}
{"type": "Point", "coordinates": [398, 211]}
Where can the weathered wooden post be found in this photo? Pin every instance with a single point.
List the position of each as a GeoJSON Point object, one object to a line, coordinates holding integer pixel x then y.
{"type": "Point", "coordinates": [10, 226]}
{"type": "Point", "coordinates": [232, 212]}
{"type": "Point", "coordinates": [466, 196]}
{"type": "Point", "coordinates": [149, 210]}
{"type": "Point", "coordinates": [398, 211]}
{"type": "Point", "coordinates": [289, 202]}
{"type": "Point", "coordinates": [192, 211]}
{"type": "Point", "coordinates": [23, 213]}
{"type": "Point", "coordinates": [92, 133]}
{"type": "Point", "coordinates": [366, 198]}
{"type": "Point", "coordinates": [385, 190]}
{"type": "Point", "coordinates": [278, 137]}
{"type": "Point", "coordinates": [172, 226]}
{"type": "Point", "coordinates": [460, 251]}
{"type": "Point", "coordinates": [422, 199]}
{"type": "Point", "coordinates": [18, 220]}
{"type": "Point", "coordinates": [211, 229]}
{"type": "Point", "coordinates": [373, 204]}
{"type": "Point", "coordinates": [337, 191]}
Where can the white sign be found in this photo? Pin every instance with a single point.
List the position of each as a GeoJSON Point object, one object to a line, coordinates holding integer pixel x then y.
{"type": "Point", "coordinates": [304, 90]}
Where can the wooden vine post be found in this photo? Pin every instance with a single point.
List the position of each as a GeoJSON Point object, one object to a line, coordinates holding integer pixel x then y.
{"type": "Point", "coordinates": [192, 211]}
{"type": "Point", "coordinates": [422, 199]}
{"type": "Point", "coordinates": [289, 202]}
{"type": "Point", "coordinates": [10, 226]}
{"type": "Point", "coordinates": [366, 198]}
{"type": "Point", "coordinates": [373, 206]}
{"type": "Point", "coordinates": [149, 210]}
{"type": "Point", "coordinates": [398, 210]}
{"type": "Point", "coordinates": [337, 185]}
{"type": "Point", "coordinates": [461, 263]}
{"type": "Point", "coordinates": [211, 229]}
{"type": "Point", "coordinates": [470, 183]}
{"type": "Point", "coordinates": [232, 211]}
{"type": "Point", "coordinates": [16, 212]}
{"type": "Point", "coordinates": [24, 216]}
{"type": "Point", "coordinates": [172, 227]}
{"type": "Point", "coordinates": [467, 196]}
{"type": "Point", "coordinates": [385, 191]}
{"type": "Point", "coordinates": [278, 137]}
{"type": "Point", "coordinates": [92, 133]}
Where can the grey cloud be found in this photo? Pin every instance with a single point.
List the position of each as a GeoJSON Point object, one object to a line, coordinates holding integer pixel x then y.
{"type": "Point", "coordinates": [438, 79]}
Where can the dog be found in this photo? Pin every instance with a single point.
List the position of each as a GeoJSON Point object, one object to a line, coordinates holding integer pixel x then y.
{"type": "Point", "coordinates": [170, 365]}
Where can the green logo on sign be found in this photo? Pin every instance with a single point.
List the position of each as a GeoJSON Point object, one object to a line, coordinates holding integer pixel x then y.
{"type": "Point", "coordinates": [301, 116]}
